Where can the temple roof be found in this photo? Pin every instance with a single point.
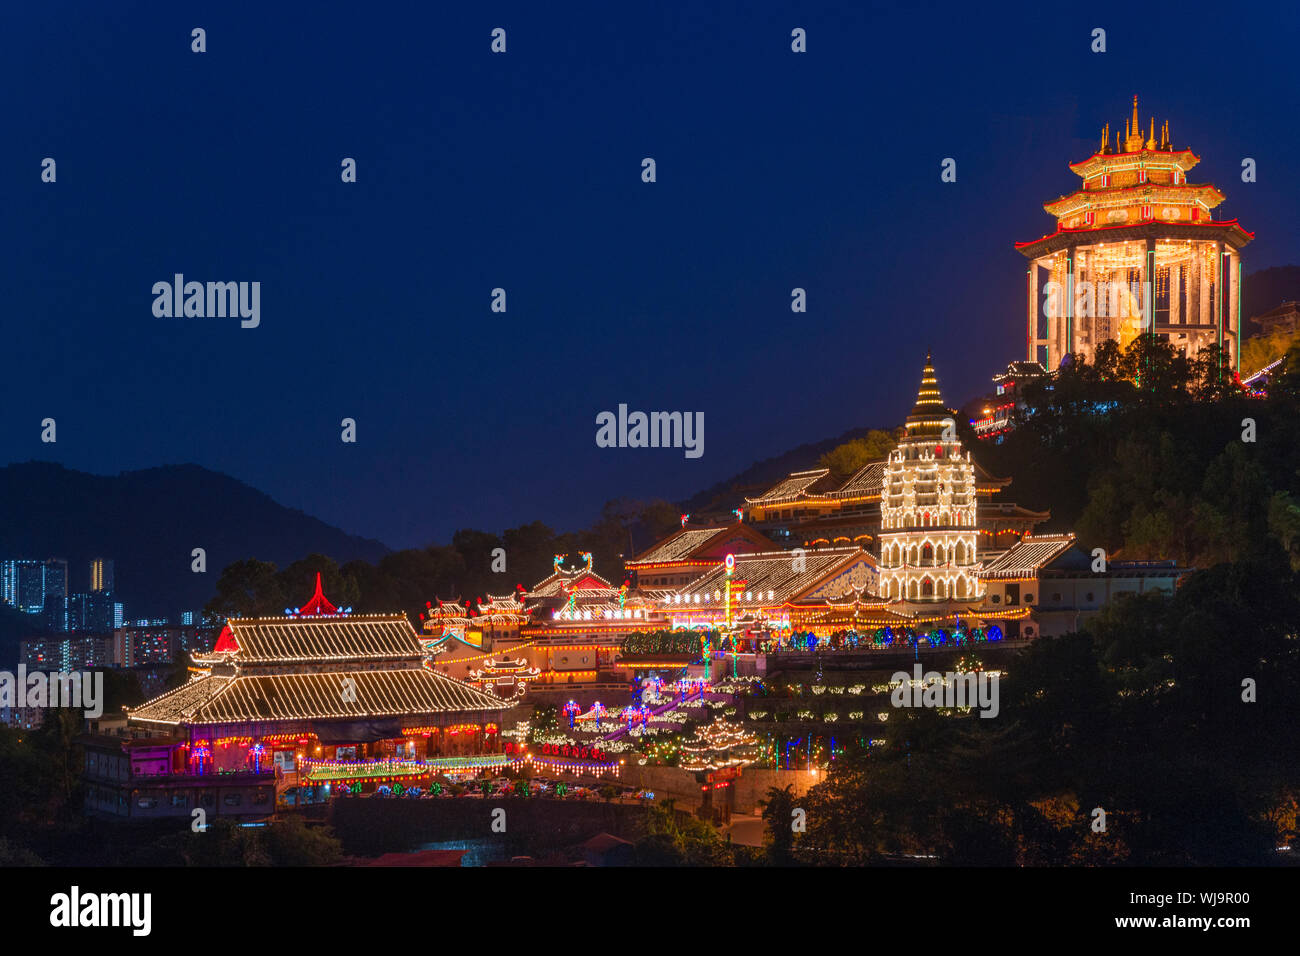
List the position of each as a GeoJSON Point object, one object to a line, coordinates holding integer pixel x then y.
{"type": "Point", "coordinates": [1140, 169]}
{"type": "Point", "coordinates": [591, 584]}
{"type": "Point", "coordinates": [795, 485]}
{"type": "Point", "coordinates": [866, 482]}
{"type": "Point", "coordinates": [245, 698]}
{"type": "Point", "coordinates": [1229, 230]}
{"type": "Point", "coordinates": [1028, 556]}
{"type": "Point", "coordinates": [295, 639]}
{"type": "Point", "coordinates": [702, 545]}
{"type": "Point", "coordinates": [773, 571]}
{"type": "Point", "coordinates": [677, 546]}
{"type": "Point", "coordinates": [1206, 194]}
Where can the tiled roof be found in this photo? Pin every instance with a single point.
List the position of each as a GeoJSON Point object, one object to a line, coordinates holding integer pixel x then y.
{"type": "Point", "coordinates": [556, 584]}
{"type": "Point", "coordinates": [293, 639]}
{"type": "Point", "coordinates": [677, 546]}
{"type": "Point", "coordinates": [1028, 556]}
{"type": "Point", "coordinates": [245, 698]}
{"type": "Point", "coordinates": [792, 486]}
{"type": "Point", "coordinates": [181, 702]}
{"type": "Point", "coordinates": [867, 480]}
{"type": "Point", "coordinates": [772, 571]}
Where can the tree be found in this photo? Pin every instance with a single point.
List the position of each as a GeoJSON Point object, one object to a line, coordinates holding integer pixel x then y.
{"type": "Point", "coordinates": [844, 460]}
{"type": "Point", "coordinates": [778, 811]}
{"type": "Point", "coordinates": [291, 842]}
{"type": "Point", "coordinates": [248, 588]}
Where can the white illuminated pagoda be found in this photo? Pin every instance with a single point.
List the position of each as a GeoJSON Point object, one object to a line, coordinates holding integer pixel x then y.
{"type": "Point", "coordinates": [927, 507]}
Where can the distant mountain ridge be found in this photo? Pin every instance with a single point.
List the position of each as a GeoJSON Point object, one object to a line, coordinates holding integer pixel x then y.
{"type": "Point", "coordinates": [150, 521]}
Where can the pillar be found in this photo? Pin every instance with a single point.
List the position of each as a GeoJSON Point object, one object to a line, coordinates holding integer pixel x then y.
{"type": "Point", "coordinates": [1031, 319]}
{"type": "Point", "coordinates": [1232, 313]}
{"type": "Point", "coordinates": [1149, 288]}
{"type": "Point", "coordinates": [1175, 295]}
{"type": "Point", "coordinates": [1084, 338]}
{"type": "Point", "coordinates": [1204, 315]}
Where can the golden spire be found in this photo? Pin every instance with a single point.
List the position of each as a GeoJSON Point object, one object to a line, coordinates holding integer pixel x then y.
{"type": "Point", "coordinates": [1151, 139]}
{"type": "Point", "coordinates": [1133, 139]}
{"type": "Point", "coordinates": [929, 413]}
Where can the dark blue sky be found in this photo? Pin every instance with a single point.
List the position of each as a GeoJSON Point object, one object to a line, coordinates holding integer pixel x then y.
{"type": "Point", "coordinates": [522, 171]}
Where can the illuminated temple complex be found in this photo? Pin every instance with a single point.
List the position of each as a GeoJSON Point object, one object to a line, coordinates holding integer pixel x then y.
{"type": "Point", "coordinates": [1136, 239]}
{"type": "Point", "coordinates": [813, 508]}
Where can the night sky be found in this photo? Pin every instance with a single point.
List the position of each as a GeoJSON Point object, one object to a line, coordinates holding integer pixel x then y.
{"type": "Point", "coordinates": [523, 171]}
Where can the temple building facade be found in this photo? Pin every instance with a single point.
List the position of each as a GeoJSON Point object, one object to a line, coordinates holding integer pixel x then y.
{"type": "Point", "coordinates": [1062, 587]}
{"type": "Point", "coordinates": [1136, 250]}
{"type": "Point", "coordinates": [813, 509]}
{"type": "Point", "coordinates": [293, 705]}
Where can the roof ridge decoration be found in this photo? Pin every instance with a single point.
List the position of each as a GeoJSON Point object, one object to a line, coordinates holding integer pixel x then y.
{"type": "Point", "coordinates": [226, 642]}
{"type": "Point", "coordinates": [318, 606]}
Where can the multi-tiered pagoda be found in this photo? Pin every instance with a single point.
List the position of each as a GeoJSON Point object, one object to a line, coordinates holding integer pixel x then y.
{"type": "Point", "coordinates": [1136, 251]}
{"type": "Point", "coordinates": [927, 508]}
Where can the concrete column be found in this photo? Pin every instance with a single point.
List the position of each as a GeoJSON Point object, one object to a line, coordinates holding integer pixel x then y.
{"type": "Point", "coordinates": [1084, 323]}
{"type": "Point", "coordinates": [1220, 290]}
{"type": "Point", "coordinates": [1175, 295]}
{"type": "Point", "coordinates": [1031, 319]}
{"type": "Point", "coordinates": [1234, 309]}
{"type": "Point", "coordinates": [1069, 344]}
{"type": "Point", "coordinates": [1203, 314]}
{"type": "Point", "coordinates": [1149, 288]}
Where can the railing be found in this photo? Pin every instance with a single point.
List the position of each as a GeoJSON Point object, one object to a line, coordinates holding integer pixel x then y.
{"type": "Point", "coordinates": [235, 776]}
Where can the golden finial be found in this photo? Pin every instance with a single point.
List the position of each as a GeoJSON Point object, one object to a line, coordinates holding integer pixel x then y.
{"type": "Point", "coordinates": [1133, 138]}
{"type": "Point", "coordinates": [1151, 139]}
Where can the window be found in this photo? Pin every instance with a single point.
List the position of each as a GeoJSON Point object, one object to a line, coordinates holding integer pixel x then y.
{"type": "Point", "coordinates": [146, 803]}
{"type": "Point", "coordinates": [232, 799]}
{"type": "Point", "coordinates": [1056, 597]}
{"type": "Point", "coordinates": [995, 599]}
{"type": "Point", "coordinates": [1088, 596]}
{"type": "Point", "coordinates": [180, 800]}
{"type": "Point", "coordinates": [1029, 599]}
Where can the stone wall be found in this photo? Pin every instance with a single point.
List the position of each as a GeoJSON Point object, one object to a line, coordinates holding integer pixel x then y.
{"type": "Point", "coordinates": [748, 789]}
